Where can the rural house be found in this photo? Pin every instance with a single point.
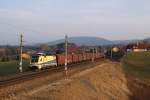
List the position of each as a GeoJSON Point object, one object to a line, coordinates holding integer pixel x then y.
{"type": "Point", "coordinates": [137, 47]}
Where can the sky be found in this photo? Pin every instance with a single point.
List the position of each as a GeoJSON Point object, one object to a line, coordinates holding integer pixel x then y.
{"type": "Point", "coordinates": [48, 20]}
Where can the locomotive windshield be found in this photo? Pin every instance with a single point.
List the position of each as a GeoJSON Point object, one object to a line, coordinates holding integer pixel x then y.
{"type": "Point", "coordinates": [34, 59]}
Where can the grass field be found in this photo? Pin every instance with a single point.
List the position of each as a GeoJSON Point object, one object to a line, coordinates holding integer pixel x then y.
{"type": "Point", "coordinates": [11, 67]}
{"type": "Point", "coordinates": [138, 65]}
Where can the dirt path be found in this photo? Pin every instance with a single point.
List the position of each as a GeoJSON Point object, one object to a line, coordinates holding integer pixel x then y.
{"type": "Point", "coordinates": [104, 82]}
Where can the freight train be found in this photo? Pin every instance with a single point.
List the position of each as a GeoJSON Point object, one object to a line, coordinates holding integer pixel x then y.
{"type": "Point", "coordinates": [41, 61]}
{"type": "Point", "coordinates": [114, 53]}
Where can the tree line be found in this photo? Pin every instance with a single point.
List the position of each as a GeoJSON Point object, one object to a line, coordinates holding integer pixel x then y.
{"type": "Point", "coordinates": [8, 53]}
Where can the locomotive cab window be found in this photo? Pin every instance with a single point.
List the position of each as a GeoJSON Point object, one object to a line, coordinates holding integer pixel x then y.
{"type": "Point", "coordinates": [34, 59]}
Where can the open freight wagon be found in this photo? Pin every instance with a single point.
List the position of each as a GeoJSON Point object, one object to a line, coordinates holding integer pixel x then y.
{"type": "Point", "coordinates": [74, 58]}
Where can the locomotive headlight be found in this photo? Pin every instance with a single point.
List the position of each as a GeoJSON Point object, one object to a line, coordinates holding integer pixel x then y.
{"type": "Point", "coordinates": [115, 49]}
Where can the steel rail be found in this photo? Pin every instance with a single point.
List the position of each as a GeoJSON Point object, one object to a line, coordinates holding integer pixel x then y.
{"type": "Point", "coordinates": [12, 80]}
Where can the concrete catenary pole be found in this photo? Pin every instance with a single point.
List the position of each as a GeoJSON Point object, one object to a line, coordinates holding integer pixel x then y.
{"type": "Point", "coordinates": [21, 49]}
{"type": "Point", "coordinates": [66, 52]}
{"type": "Point", "coordinates": [93, 54]}
{"type": "Point", "coordinates": [111, 52]}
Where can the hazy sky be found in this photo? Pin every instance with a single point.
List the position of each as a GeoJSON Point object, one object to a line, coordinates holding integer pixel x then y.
{"type": "Point", "coordinates": [47, 20]}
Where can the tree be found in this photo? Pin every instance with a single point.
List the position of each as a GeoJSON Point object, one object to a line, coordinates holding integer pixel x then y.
{"type": "Point", "coordinates": [43, 47]}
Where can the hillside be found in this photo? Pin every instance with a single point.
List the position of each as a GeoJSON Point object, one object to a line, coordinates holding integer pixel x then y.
{"type": "Point", "coordinates": [125, 41]}
{"type": "Point", "coordinates": [137, 64]}
{"type": "Point", "coordinates": [148, 40]}
{"type": "Point", "coordinates": [102, 82]}
{"type": "Point", "coordinates": [92, 41]}
{"type": "Point", "coordinates": [105, 81]}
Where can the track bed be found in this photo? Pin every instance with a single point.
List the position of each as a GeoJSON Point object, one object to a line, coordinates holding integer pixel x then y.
{"type": "Point", "coordinates": [18, 83]}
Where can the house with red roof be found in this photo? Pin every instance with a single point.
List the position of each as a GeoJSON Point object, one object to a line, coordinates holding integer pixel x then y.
{"type": "Point", "coordinates": [137, 47]}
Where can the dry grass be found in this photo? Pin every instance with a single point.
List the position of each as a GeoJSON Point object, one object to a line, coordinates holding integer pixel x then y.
{"type": "Point", "coordinates": [104, 82]}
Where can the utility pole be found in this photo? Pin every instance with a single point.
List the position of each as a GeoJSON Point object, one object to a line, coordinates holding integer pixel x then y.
{"type": "Point", "coordinates": [66, 53]}
{"type": "Point", "coordinates": [93, 54]}
{"type": "Point", "coordinates": [111, 52]}
{"type": "Point", "coordinates": [21, 47]}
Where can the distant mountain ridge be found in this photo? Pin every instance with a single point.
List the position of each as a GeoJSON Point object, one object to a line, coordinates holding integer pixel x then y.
{"type": "Point", "coordinates": [148, 40]}
{"type": "Point", "coordinates": [86, 41]}
{"type": "Point", "coordinates": [126, 41]}
{"type": "Point", "coordinates": [94, 41]}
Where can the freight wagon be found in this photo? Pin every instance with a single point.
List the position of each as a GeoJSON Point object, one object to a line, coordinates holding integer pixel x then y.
{"type": "Point", "coordinates": [41, 61]}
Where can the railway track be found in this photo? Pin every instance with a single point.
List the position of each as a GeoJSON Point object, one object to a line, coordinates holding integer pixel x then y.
{"type": "Point", "coordinates": [23, 77]}
{"type": "Point", "coordinates": [18, 78]}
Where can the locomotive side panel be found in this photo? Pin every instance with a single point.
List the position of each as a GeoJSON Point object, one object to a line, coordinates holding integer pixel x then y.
{"type": "Point", "coordinates": [42, 61]}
